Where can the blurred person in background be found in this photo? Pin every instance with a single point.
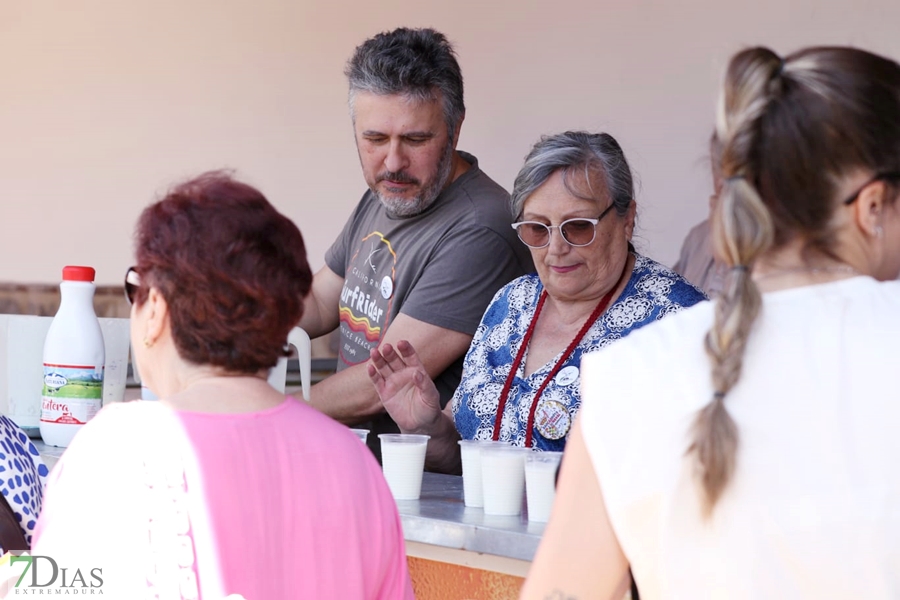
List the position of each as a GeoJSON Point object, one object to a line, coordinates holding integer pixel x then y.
{"type": "Point", "coordinates": [575, 209]}
{"type": "Point", "coordinates": [224, 486]}
{"type": "Point", "coordinates": [747, 448]}
{"type": "Point", "coordinates": [696, 262]}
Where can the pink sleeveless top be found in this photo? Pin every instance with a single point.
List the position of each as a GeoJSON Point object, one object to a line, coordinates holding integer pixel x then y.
{"type": "Point", "coordinates": [282, 503]}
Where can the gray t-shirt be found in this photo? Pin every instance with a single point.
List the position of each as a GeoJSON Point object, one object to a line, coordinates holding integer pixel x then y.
{"type": "Point", "coordinates": [442, 267]}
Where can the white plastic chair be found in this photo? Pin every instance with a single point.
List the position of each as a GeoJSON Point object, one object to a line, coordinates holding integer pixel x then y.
{"type": "Point", "coordinates": [299, 339]}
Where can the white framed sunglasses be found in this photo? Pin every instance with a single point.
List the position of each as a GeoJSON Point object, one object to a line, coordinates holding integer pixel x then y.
{"type": "Point", "coordinates": [576, 232]}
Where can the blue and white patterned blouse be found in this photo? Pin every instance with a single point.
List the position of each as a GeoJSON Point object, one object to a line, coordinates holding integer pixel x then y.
{"type": "Point", "coordinates": [23, 475]}
{"type": "Point", "coordinates": [652, 292]}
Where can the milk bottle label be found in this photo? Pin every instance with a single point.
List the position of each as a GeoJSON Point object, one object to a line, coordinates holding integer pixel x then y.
{"type": "Point", "coordinates": [72, 394]}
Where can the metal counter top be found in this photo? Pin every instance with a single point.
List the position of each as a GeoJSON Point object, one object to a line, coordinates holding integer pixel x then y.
{"type": "Point", "coordinates": [440, 518]}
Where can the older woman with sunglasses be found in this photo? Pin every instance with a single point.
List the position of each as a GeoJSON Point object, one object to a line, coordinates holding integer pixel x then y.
{"type": "Point", "coordinates": [574, 199]}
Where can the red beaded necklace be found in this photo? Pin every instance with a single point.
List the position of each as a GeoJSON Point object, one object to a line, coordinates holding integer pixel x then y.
{"type": "Point", "coordinates": [514, 368]}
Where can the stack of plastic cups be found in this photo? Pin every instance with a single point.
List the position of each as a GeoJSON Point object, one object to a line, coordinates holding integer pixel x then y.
{"type": "Point", "coordinates": [470, 453]}
{"type": "Point", "coordinates": [503, 479]}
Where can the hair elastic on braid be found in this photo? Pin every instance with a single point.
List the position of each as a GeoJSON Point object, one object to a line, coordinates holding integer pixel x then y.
{"type": "Point", "coordinates": [780, 69]}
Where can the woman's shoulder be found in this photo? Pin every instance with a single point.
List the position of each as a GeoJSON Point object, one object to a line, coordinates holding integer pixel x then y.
{"type": "Point", "coordinates": [651, 276]}
{"type": "Point", "coordinates": [116, 425]}
{"type": "Point", "coordinates": [114, 419]}
{"type": "Point", "coordinates": [521, 291]}
{"type": "Point", "coordinates": [860, 290]}
{"type": "Point", "coordinates": [289, 420]}
{"type": "Point", "coordinates": [882, 295]}
{"type": "Point", "coordinates": [528, 284]}
{"type": "Point", "coordinates": [299, 424]}
{"type": "Point", "coordinates": [641, 379]}
{"type": "Point", "coordinates": [668, 333]}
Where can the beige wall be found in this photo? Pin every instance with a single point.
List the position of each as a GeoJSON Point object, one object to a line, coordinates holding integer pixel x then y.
{"type": "Point", "coordinates": [103, 103]}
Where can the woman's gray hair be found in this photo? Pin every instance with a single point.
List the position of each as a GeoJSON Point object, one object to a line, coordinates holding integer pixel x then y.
{"type": "Point", "coordinates": [417, 63]}
{"type": "Point", "coordinates": [594, 154]}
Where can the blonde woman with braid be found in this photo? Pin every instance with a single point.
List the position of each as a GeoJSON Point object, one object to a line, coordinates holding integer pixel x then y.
{"type": "Point", "coordinates": [750, 448]}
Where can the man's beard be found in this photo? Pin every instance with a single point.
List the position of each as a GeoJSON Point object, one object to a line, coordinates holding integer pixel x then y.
{"type": "Point", "coordinates": [401, 208]}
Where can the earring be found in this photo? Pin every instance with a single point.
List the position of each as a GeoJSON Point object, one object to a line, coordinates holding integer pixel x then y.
{"type": "Point", "coordinates": [878, 231]}
{"type": "Point", "coordinates": [147, 343]}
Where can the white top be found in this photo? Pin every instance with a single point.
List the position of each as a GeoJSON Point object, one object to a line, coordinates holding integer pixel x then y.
{"type": "Point", "coordinates": [814, 508]}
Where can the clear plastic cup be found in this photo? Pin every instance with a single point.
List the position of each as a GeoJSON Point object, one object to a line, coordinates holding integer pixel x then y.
{"type": "Point", "coordinates": [503, 478]}
{"type": "Point", "coordinates": [403, 462]}
{"type": "Point", "coordinates": [540, 484]}
{"type": "Point", "coordinates": [470, 453]}
{"type": "Point", "coordinates": [362, 434]}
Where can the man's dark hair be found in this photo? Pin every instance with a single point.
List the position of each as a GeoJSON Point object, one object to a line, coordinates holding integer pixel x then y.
{"type": "Point", "coordinates": [418, 63]}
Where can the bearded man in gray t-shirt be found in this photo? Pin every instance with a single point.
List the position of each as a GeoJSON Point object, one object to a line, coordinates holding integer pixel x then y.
{"type": "Point", "coordinates": [428, 244]}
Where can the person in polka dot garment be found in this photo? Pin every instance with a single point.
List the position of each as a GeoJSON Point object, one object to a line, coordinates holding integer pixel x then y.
{"type": "Point", "coordinates": [22, 477]}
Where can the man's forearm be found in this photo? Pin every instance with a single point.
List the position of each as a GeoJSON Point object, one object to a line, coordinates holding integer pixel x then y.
{"type": "Point", "coordinates": [347, 396]}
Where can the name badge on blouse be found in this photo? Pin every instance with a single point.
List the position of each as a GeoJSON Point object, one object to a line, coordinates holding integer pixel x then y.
{"type": "Point", "coordinates": [552, 420]}
{"type": "Point", "coordinates": [567, 376]}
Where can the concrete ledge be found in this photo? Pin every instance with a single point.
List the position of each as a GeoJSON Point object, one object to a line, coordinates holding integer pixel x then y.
{"type": "Point", "coordinates": [109, 301]}
{"type": "Point", "coordinates": [43, 300]}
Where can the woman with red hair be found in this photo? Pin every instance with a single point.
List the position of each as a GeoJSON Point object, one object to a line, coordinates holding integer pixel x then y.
{"type": "Point", "coordinates": [225, 486]}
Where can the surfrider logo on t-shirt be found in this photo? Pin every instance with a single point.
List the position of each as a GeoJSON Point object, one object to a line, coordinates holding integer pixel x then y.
{"type": "Point", "coordinates": [366, 297]}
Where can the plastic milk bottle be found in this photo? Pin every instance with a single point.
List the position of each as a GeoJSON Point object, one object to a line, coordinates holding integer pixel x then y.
{"type": "Point", "coordinates": [73, 360]}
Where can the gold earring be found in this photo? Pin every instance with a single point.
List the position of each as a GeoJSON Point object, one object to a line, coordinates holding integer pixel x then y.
{"type": "Point", "coordinates": [147, 343]}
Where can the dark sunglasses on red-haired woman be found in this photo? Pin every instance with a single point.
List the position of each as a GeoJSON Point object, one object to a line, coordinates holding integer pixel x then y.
{"type": "Point", "coordinates": [132, 283]}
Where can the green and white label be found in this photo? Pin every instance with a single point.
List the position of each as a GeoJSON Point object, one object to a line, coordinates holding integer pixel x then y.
{"type": "Point", "coordinates": [72, 395]}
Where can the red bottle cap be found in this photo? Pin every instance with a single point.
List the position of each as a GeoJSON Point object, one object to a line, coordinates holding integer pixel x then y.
{"type": "Point", "coordinates": [78, 274]}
